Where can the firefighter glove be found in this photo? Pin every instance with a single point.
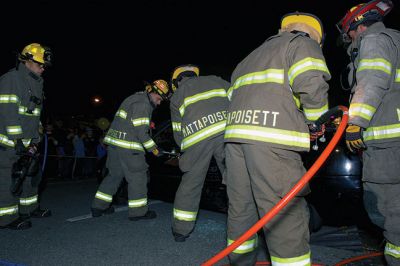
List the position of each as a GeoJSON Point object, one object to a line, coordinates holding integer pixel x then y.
{"type": "Point", "coordinates": [19, 147]}
{"type": "Point", "coordinates": [158, 152]}
{"type": "Point", "coordinates": [316, 131]}
{"type": "Point", "coordinates": [354, 140]}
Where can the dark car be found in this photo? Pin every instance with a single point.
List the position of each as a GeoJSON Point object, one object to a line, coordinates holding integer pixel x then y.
{"type": "Point", "coordinates": [336, 197]}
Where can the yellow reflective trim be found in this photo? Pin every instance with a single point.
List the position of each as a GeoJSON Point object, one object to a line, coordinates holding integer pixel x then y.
{"type": "Point", "coordinates": [9, 210]}
{"type": "Point", "coordinates": [149, 144]}
{"type": "Point", "coordinates": [203, 134]}
{"type": "Point", "coordinates": [269, 135]}
{"type": "Point", "coordinates": [375, 64]}
{"type": "Point", "coordinates": [185, 215]}
{"type": "Point", "coordinates": [103, 196]}
{"type": "Point", "coordinates": [8, 98]}
{"type": "Point", "coordinates": [141, 121]}
{"type": "Point", "coordinates": [392, 250]}
{"type": "Point", "coordinates": [304, 260]}
{"type": "Point", "coordinates": [245, 247]}
{"type": "Point", "coordinates": [123, 143]}
{"type": "Point", "coordinates": [363, 110]}
{"type": "Point", "coordinates": [22, 110]}
{"type": "Point", "coordinates": [269, 75]}
{"type": "Point", "coordinates": [382, 132]}
{"type": "Point", "coordinates": [4, 140]}
{"type": "Point", "coordinates": [176, 126]}
{"type": "Point", "coordinates": [397, 78]}
{"type": "Point", "coordinates": [14, 130]}
{"type": "Point", "coordinates": [137, 203]}
{"type": "Point", "coordinates": [201, 97]}
{"type": "Point", "coordinates": [28, 201]}
{"type": "Point", "coordinates": [306, 64]}
{"type": "Point", "coordinates": [121, 113]}
{"type": "Point", "coordinates": [314, 114]}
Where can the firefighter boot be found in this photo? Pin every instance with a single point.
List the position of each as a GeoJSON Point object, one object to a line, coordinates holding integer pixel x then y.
{"type": "Point", "coordinates": [19, 224]}
{"type": "Point", "coordinates": [36, 213]}
{"type": "Point", "coordinates": [99, 212]}
{"type": "Point", "coordinates": [149, 215]}
{"type": "Point", "coordinates": [179, 237]}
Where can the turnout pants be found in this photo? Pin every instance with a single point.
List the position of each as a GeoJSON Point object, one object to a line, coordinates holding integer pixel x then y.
{"type": "Point", "coordinates": [257, 178]}
{"type": "Point", "coordinates": [381, 176]}
{"type": "Point", "coordinates": [194, 164]}
{"type": "Point", "coordinates": [131, 165]}
{"type": "Point", "coordinates": [11, 206]}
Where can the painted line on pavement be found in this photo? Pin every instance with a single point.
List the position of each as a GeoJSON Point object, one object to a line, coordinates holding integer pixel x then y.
{"type": "Point", "coordinates": [120, 209]}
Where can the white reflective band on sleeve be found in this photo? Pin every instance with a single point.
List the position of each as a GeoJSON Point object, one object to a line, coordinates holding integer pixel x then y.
{"type": "Point", "coordinates": [6, 141]}
{"type": "Point", "coordinates": [365, 111]}
{"type": "Point", "coordinates": [23, 111]}
{"type": "Point", "coordinates": [137, 203]}
{"type": "Point", "coordinates": [28, 201]}
{"type": "Point", "coordinates": [140, 121]}
{"type": "Point", "coordinates": [375, 64]}
{"type": "Point", "coordinates": [121, 113]}
{"type": "Point", "coordinates": [103, 196]}
{"type": "Point", "coordinates": [9, 210]}
{"type": "Point", "coordinates": [304, 65]}
{"type": "Point", "coordinates": [382, 132]}
{"type": "Point", "coordinates": [149, 144]}
{"type": "Point", "coordinates": [314, 114]}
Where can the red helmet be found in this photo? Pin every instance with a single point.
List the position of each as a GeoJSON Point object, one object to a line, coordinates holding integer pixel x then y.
{"type": "Point", "coordinates": [372, 11]}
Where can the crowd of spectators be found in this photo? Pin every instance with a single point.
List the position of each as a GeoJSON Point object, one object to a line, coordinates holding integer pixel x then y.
{"type": "Point", "coordinates": [73, 150]}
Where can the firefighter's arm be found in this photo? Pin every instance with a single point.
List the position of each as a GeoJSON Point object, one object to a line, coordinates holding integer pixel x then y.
{"type": "Point", "coordinates": [9, 102]}
{"type": "Point", "coordinates": [308, 75]}
{"type": "Point", "coordinates": [141, 122]}
{"type": "Point", "coordinates": [176, 120]}
{"type": "Point", "coordinates": [374, 74]}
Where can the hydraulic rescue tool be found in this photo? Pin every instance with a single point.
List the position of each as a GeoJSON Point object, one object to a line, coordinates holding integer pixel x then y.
{"type": "Point", "coordinates": [26, 165]}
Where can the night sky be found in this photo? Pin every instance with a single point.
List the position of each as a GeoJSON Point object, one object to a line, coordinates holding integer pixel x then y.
{"type": "Point", "coordinates": [108, 48]}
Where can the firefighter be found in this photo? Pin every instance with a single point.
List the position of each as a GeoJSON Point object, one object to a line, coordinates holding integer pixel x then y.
{"type": "Point", "coordinates": [198, 113]}
{"type": "Point", "coordinates": [374, 113]}
{"type": "Point", "coordinates": [21, 97]}
{"type": "Point", "coordinates": [128, 139]}
{"type": "Point", "coordinates": [276, 92]}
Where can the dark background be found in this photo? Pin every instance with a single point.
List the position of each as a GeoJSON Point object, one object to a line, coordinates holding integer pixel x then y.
{"type": "Point", "coordinates": [108, 48]}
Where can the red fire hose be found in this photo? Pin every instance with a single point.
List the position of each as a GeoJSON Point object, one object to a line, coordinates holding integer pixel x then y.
{"type": "Point", "coordinates": [295, 190]}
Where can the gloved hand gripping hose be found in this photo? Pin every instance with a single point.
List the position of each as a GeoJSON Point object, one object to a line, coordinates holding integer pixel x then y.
{"type": "Point", "coordinates": [296, 189]}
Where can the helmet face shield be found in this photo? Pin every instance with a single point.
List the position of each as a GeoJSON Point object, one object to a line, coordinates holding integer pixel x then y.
{"type": "Point", "coordinates": [48, 57]}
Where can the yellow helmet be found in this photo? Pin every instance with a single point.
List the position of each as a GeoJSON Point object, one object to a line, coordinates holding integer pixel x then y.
{"type": "Point", "coordinates": [37, 53]}
{"type": "Point", "coordinates": [183, 71]}
{"type": "Point", "coordinates": [160, 87]}
{"type": "Point", "coordinates": [307, 23]}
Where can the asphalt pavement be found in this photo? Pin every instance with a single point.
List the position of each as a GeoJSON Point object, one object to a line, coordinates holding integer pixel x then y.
{"type": "Point", "coordinates": [72, 237]}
